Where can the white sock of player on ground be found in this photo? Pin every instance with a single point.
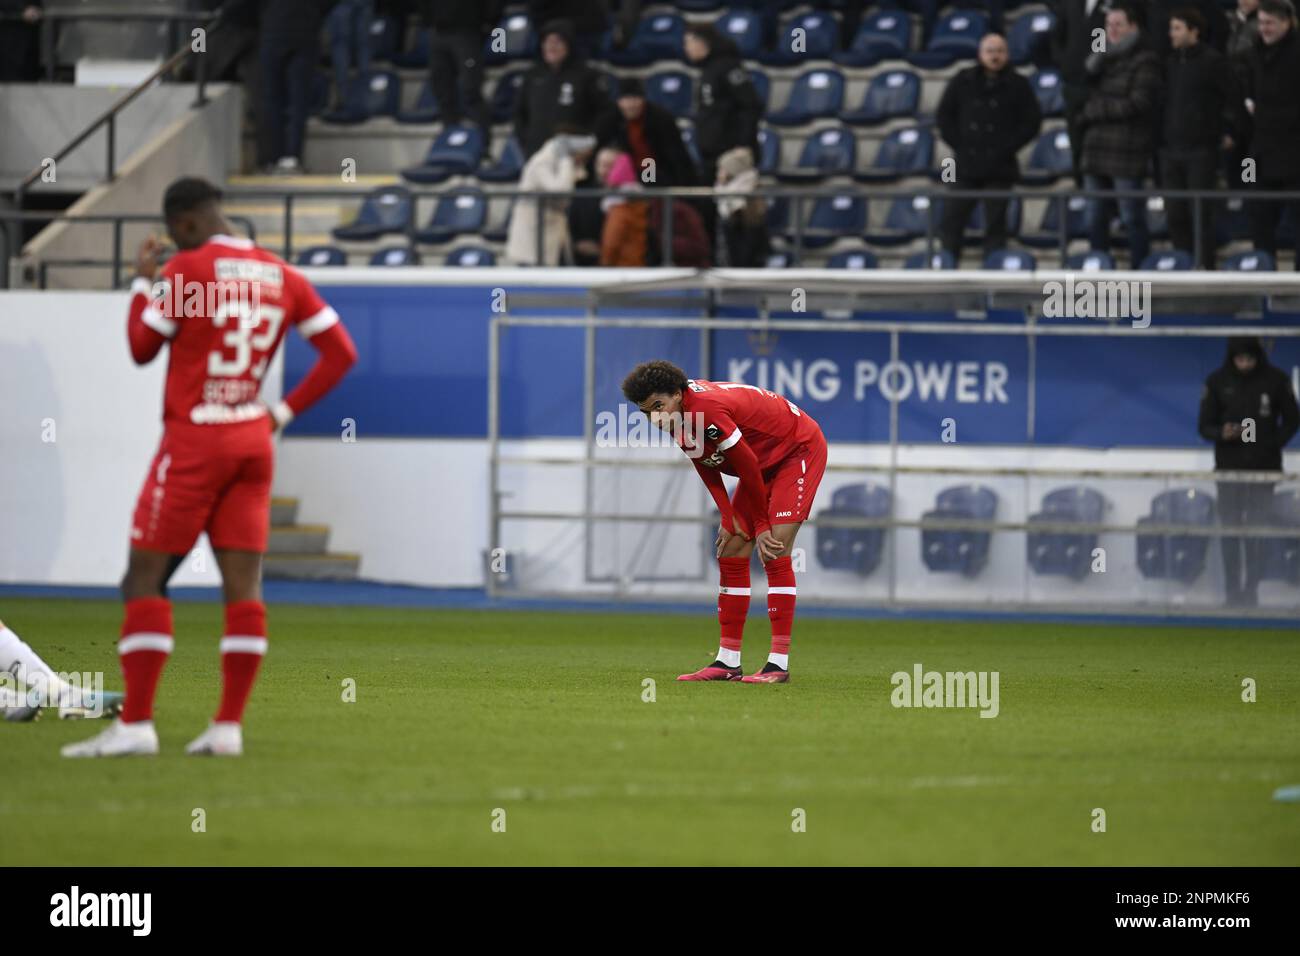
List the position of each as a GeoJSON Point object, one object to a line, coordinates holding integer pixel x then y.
{"type": "Point", "coordinates": [23, 662]}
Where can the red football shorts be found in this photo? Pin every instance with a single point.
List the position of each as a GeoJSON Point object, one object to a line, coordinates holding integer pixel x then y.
{"type": "Point", "coordinates": [791, 486]}
{"type": "Point", "coordinates": [213, 478]}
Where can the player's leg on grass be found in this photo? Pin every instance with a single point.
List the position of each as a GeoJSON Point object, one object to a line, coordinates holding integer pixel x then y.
{"type": "Point", "coordinates": [733, 552]}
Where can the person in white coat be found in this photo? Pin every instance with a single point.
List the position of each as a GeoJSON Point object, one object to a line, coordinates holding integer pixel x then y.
{"type": "Point", "coordinates": [557, 167]}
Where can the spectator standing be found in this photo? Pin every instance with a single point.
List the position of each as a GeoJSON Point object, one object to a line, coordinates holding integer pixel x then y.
{"type": "Point", "coordinates": [588, 20]}
{"type": "Point", "coordinates": [20, 58]}
{"type": "Point", "coordinates": [459, 29]}
{"type": "Point", "coordinates": [1118, 123]}
{"type": "Point", "coordinates": [1243, 27]}
{"type": "Point", "coordinates": [561, 90]}
{"type": "Point", "coordinates": [647, 131]}
{"type": "Point", "coordinates": [742, 218]}
{"type": "Point", "coordinates": [1248, 410]}
{"type": "Point", "coordinates": [1073, 40]}
{"type": "Point", "coordinates": [728, 108]}
{"type": "Point", "coordinates": [557, 167]}
{"type": "Point", "coordinates": [287, 56]}
{"type": "Point", "coordinates": [1272, 99]}
{"type": "Point", "coordinates": [623, 238]}
{"type": "Point", "coordinates": [987, 113]}
{"type": "Point", "coordinates": [1214, 31]}
{"type": "Point", "coordinates": [1197, 84]}
{"type": "Point", "coordinates": [348, 29]}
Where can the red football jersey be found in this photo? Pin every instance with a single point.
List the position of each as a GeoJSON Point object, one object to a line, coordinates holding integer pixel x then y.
{"type": "Point", "coordinates": [225, 307]}
{"type": "Point", "coordinates": [772, 426]}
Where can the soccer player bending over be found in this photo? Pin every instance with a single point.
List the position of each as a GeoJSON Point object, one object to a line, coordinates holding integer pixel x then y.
{"type": "Point", "coordinates": [779, 455]}
{"type": "Point", "coordinates": [223, 306]}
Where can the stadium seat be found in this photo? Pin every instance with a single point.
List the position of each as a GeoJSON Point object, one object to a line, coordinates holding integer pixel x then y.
{"type": "Point", "coordinates": [470, 256]}
{"type": "Point", "coordinates": [1048, 234]}
{"type": "Point", "coordinates": [658, 36]}
{"type": "Point", "coordinates": [779, 260]}
{"type": "Point", "coordinates": [388, 209]}
{"type": "Point", "coordinates": [1091, 261]}
{"type": "Point", "coordinates": [1281, 556]}
{"type": "Point", "coordinates": [769, 152]}
{"type": "Point", "coordinates": [745, 29]}
{"type": "Point", "coordinates": [1047, 87]}
{"type": "Point", "coordinates": [1157, 218]}
{"type": "Point", "coordinates": [1010, 260]}
{"type": "Point", "coordinates": [955, 36]}
{"type": "Point", "coordinates": [457, 150]}
{"type": "Point", "coordinates": [1232, 224]}
{"type": "Point", "coordinates": [853, 549]}
{"type": "Point", "coordinates": [942, 259]}
{"type": "Point", "coordinates": [1171, 260]}
{"type": "Point", "coordinates": [778, 216]}
{"type": "Point", "coordinates": [828, 152]}
{"type": "Point", "coordinates": [852, 259]}
{"type": "Point", "coordinates": [698, 6]}
{"type": "Point", "coordinates": [426, 108]}
{"type": "Point", "coordinates": [395, 256]}
{"type": "Point", "coordinates": [456, 213]}
{"type": "Point", "coordinates": [674, 91]}
{"type": "Point", "coordinates": [1028, 35]}
{"type": "Point", "coordinates": [518, 40]}
{"type": "Point", "coordinates": [906, 219]}
{"type": "Point", "coordinates": [1174, 556]}
{"type": "Point", "coordinates": [377, 94]}
{"type": "Point", "coordinates": [762, 88]}
{"type": "Point", "coordinates": [385, 34]}
{"type": "Point", "coordinates": [904, 152]}
{"type": "Point", "coordinates": [835, 217]}
{"type": "Point", "coordinates": [1064, 552]}
{"type": "Point", "coordinates": [1252, 261]}
{"type": "Point", "coordinates": [416, 57]}
{"type": "Point", "coordinates": [891, 95]}
{"type": "Point", "coordinates": [816, 93]}
{"type": "Point", "coordinates": [505, 96]}
{"type": "Point", "coordinates": [883, 34]}
{"type": "Point", "coordinates": [507, 166]}
{"type": "Point", "coordinates": [964, 551]}
{"type": "Point", "coordinates": [1049, 160]}
{"type": "Point", "coordinates": [820, 38]}
{"type": "Point", "coordinates": [322, 256]}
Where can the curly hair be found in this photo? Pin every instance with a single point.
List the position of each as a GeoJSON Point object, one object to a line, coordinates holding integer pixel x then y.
{"type": "Point", "coordinates": [652, 378]}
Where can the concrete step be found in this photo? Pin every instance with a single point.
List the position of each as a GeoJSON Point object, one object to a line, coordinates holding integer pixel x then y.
{"type": "Point", "coordinates": [311, 567]}
{"type": "Point", "coordinates": [284, 511]}
{"type": "Point", "coordinates": [299, 539]}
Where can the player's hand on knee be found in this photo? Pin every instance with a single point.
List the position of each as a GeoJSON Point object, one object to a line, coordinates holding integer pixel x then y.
{"type": "Point", "coordinates": [769, 546]}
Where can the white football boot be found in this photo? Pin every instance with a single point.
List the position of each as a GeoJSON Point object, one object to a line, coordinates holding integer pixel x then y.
{"type": "Point", "coordinates": [222, 739]}
{"type": "Point", "coordinates": [119, 740]}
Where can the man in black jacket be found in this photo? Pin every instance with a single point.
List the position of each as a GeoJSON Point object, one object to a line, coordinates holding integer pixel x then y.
{"type": "Point", "coordinates": [1197, 81]}
{"type": "Point", "coordinates": [1248, 409]}
{"type": "Point", "coordinates": [1272, 99]}
{"type": "Point", "coordinates": [1074, 38]}
{"type": "Point", "coordinates": [459, 29]}
{"type": "Point", "coordinates": [728, 108]}
{"type": "Point", "coordinates": [646, 131]}
{"type": "Point", "coordinates": [988, 112]}
{"type": "Point", "coordinates": [561, 90]}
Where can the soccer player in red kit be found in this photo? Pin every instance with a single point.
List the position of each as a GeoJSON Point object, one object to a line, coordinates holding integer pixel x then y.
{"type": "Point", "coordinates": [222, 306]}
{"type": "Point", "coordinates": [779, 454]}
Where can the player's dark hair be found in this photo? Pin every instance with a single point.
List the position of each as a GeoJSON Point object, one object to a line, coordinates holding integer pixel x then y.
{"type": "Point", "coordinates": [187, 194]}
{"type": "Point", "coordinates": [1191, 18]}
{"type": "Point", "coordinates": [653, 378]}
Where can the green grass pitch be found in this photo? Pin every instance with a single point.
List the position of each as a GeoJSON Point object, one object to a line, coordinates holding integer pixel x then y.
{"type": "Point", "coordinates": [459, 714]}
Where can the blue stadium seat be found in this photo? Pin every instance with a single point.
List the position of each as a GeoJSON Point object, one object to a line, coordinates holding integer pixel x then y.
{"type": "Point", "coordinates": [852, 259]}
{"type": "Point", "coordinates": [1175, 556]}
{"type": "Point", "coordinates": [658, 36]}
{"type": "Point", "coordinates": [1048, 234]}
{"type": "Point", "coordinates": [1252, 261]}
{"type": "Point", "coordinates": [778, 216]}
{"type": "Point", "coordinates": [387, 210]}
{"type": "Point", "coordinates": [1028, 36]}
{"type": "Point", "coordinates": [470, 256]}
{"type": "Point", "coordinates": [456, 213]}
{"type": "Point", "coordinates": [505, 96]}
{"type": "Point", "coordinates": [698, 6]}
{"type": "Point", "coordinates": [322, 256]}
{"type": "Point", "coordinates": [904, 152]}
{"type": "Point", "coordinates": [376, 94]}
{"type": "Point", "coordinates": [1047, 87]}
{"type": "Point", "coordinates": [385, 34]}
{"type": "Point", "coordinates": [890, 95]}
{"type": "Point", "coordinates": [457, 150]}
{"type": "Point", "coordinates": [881, 35]}
{"type": "Point", "coordinates": [1049, 160]}
{"type": "Point", "coordinates": [854, 549]}
{"type": "Point", "coordinates": [1010, 260]}
{"type": "Point", "coordinates": [941, 259]}
{"type": "Point", "coordinates": [827, 152]}
{"type": "Point", "coordinates": [395, 256]}
{"type": "Point", "coordinates": [426, 108]}
{"type": "Point", "coordinates": [820, 38]}
{"type": "Point", "coordinates": [518, 40]}
{"type": "Point", "coordinates": [673, 90]}
{"type": "Point", "coordinates": [835, 217]}
{"type": "Point", "coordinates": [955, 36]}
{"type": "Point", "coordinates": [745, 29]}
{"type": "Point", "coordinates": [779, 260]}
{"type": "Point", "coordinates": [762, 87]}
{"type": "Point", "coordinates": [769, 151]}
{"type": "Point", "coordinates": [1281, 556]}
{"type": "Point", "coordinates": [1091, 261]}
{"type": "Point", "coordinates": [1064, 552]}
{"type": "Point", "coordinates": [964, 551]}
{"type": "Point", "coordinates": [906, 219]}
{"type": "Point", "coordinates": [416, 57]}
{"type": "Point", "coordinates": [815, 94]}
{"type": "Point", "coordinates": [1157, 218]}
{"type": "Point", "coordinates": [1171, 260]}
{"type": "Point", "coordinates": [507, 167]}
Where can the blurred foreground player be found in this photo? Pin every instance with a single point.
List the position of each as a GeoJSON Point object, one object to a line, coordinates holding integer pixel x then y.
{"type": "Point", "coordinates": [223, 305]}
{"type": "Point", "coordinates": [779, 454]}
{"type": "Point", "coordinates": [29, 684]}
